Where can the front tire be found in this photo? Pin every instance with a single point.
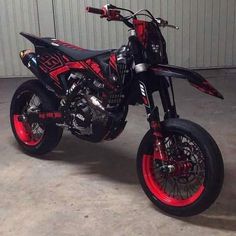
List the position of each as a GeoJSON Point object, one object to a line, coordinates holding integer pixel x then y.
{"type": "Point", "coordinates": [34, 139]}
{"type": "Point", "coordinates": [198, 180]}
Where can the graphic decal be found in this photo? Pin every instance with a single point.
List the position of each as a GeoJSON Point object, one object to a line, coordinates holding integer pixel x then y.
{"type": "Point", "coordinates": [144, 94]}
{"type": "Point", "coordinates": [141, 31]}
{"type": "Point", "coordinates": [95, 68]}
{"type": "Point", "coordinates": [49, 62]}
{"type": "Point", "coordinates": [112, 61]}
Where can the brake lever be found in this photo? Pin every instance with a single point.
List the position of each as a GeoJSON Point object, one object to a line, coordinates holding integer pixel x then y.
{"type": "Point", "coordinates": [164, 23]}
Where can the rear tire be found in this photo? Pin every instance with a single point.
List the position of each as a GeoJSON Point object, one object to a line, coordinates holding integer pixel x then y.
{"type": "Point", "coordinates": [50, 133]}
{"type": "Point", "coordinates": [208, 190]}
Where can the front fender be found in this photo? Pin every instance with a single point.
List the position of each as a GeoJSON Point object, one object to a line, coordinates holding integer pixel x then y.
{"type": "Point", "coordinates": [195, 79]}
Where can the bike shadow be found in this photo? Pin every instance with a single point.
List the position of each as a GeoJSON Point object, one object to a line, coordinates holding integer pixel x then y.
{"type": "Point", "coordinates": [222, 214]}
{"type": "Point", "coordinates": [116, 164]}
{"type": "Point", "coordinates": [101, 159]}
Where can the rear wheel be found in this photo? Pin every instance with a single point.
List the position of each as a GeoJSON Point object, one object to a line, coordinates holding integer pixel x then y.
{"type": "Point", "coordinates": [197, 169]}
{"type": "Point", "coordinates": [34, 138]}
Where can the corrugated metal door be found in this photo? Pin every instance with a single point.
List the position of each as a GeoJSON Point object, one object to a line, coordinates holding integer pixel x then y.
{"type": "Point", "coordinates": [206, 37]}
{"type": "Point", "coordinates": [15, 16]}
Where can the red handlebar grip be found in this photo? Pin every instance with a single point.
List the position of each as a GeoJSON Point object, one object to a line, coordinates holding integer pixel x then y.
{"type": "Point", "coordinates": [94, 10]}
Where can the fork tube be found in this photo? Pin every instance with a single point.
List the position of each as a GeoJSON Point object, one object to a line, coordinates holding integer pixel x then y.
{"type": "Point", "coordinates": [141, 71]}
{"type": "Point", "coordinates": [159, 152]}
{"type": "Point", "coordinates": [152, 112]}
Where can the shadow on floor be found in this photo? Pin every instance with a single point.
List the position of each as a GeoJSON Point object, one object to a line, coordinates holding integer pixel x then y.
{"type": "Point", "coordinates": [218, 216]}
{"type": "Point", "coordinates": [116, 165]}
{"type": "Point", "coordinates": [222, 214]}
{"type": "Point", "coordinates": [99, 159]}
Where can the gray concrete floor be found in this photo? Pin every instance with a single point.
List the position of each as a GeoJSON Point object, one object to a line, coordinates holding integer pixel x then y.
{"type": "Point", "coordinates": [92, 189]}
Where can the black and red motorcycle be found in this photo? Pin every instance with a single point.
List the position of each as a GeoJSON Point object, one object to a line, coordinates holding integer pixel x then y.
{"type": "Point", "coordinates": [88, 92]}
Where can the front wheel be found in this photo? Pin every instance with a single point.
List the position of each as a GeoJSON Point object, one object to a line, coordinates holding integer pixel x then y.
{"type": "Point", "coordinates": [196, 161]}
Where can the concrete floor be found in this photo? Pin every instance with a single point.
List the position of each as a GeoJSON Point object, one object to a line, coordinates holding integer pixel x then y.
{"type": "Point", "coordinates": [92, 189]}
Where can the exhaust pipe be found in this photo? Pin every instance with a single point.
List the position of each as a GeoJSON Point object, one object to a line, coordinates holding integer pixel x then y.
{"type": "Point", "coordinates": [28, 58]}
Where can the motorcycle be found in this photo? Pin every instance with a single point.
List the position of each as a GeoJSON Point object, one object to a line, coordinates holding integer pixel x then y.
{"type": "Point", "coordinates": [88, 92]}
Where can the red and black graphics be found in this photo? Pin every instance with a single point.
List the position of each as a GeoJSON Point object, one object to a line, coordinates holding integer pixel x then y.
{"type": "Point", "coordinates": [194, 78]}
{"type": "Point", "coordinates": [50, 61]}
{"type": "Point", "coordinates": [207, 88]}
{"type": "Point", "coordinates": [152, 40]}
{"type": "Point", "coordinates": [53, 64]}
{"type": "Point", "coordinates": [144, 94]}
{"type": "Point", "coordinates": [56, 59]}
{"type": "Point", "coordinates": [56, 64]}
{"type": "Point", "coordinates": [113, 62]}
{"type": "Point", "coordinates": [141, 28]}
{"type": "Point", "coordinates": [96, 69]}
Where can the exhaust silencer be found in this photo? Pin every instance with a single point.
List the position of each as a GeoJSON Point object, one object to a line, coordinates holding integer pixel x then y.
{"type": "Point", "coordinates": [28, 58]}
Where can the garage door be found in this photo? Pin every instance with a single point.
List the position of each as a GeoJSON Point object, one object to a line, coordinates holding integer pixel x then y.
{"type": "Point", "coordinates": [15, 16]}
{"type": "Point", "coordinates": [206, 38]}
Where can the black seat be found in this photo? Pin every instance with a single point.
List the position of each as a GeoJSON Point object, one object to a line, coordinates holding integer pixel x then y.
{"type": "Point", "coordinates": [74, 52]}
{"type": "Point", "coordinates": [80, 54]}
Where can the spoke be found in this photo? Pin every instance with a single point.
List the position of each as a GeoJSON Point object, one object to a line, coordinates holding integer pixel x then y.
{"type": "Point", "coordinates": [198, 181]}
{"type": "Point", "coordinates": [173, 192]}
{"type": "Point", "coordinates": [187, 188]}
{"type": "Point", "coordinates": [165, 185]}
{"type": "Point", "coordinates": [178, 191]}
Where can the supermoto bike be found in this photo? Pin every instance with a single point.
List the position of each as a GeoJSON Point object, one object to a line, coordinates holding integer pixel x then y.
{"type": "Point", "coordinates": [88, 92]}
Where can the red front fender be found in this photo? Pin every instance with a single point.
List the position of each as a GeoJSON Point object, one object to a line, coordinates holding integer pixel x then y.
{"type": "Point", "coordinates": [195, 79]}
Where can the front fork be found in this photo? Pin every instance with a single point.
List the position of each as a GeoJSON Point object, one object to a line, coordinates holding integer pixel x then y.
{"type": "Point", "coordinates": [152, 111]}
{"type": "Point", "coordinates": [159, 150]}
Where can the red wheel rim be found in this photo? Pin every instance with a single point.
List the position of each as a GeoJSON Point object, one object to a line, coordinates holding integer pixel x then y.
{"type": "Point", "coordinates": [157, 190]}
{"type": "Point", "coordinates": [24, 132]}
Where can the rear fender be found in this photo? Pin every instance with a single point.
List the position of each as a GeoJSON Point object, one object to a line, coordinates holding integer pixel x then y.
{"type": "Point", "coordinates": [195, 79]}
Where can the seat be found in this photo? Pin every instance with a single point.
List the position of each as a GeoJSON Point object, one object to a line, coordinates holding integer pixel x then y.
{"type": "Point", "coordinates": [74, 52]}
{"type": "Point", "coordinates": [80, 54]}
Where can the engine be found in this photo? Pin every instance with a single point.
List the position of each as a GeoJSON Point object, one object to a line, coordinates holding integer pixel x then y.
{"type": "Point", "coordinates": [92, 112]}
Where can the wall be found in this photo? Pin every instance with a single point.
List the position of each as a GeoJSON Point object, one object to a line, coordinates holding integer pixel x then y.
{"type": "Point", "coordinates": [15, 16]}
{"type": "Point", "coordinates": [206, 38]}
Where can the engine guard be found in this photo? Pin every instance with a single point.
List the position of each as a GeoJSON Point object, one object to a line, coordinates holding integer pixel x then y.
{"type": "Point", "coordinates": [195, 79]}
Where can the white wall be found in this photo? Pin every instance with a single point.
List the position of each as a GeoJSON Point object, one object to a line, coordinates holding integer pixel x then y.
{"type": "Point", "coordinates": [207, 35]}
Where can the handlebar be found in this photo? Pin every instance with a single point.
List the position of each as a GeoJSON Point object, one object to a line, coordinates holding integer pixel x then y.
{"type": "Point", "coordinates": [95, 10]}
{"type": "Point", "coordinates": [108, 11]}
{"type": "Point", "coordinates": [112, 13]}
